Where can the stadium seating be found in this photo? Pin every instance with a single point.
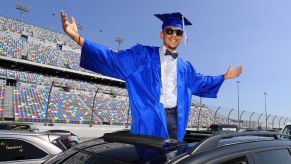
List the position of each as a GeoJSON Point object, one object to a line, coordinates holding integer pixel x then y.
{"type": "Point", "coordinates": [35, 50]}
{"type": "Point", "coordinates": [25, 77]}
{"type": "Point", "coordinates": [26, 105]}
{"type": "Point", "coordinates": [10, 47]}
{"type": "Point", "coordinates": [206, 118]}
{"type": "Point", "coordinates": [2, 97]}
{"type": "Point", "coordinates": [13, 25]}
{"type": "Point", "coordinates": [38, 79]}
{"type": "Point", "coordinates": [44, 55]}
{"type": "Point", "coordinates": [39, 53]}
{"type": "Point", "coordinates": [31, 105]}
{"type": "Point", "coordinates": [3, 72]}
{"type": "Point", "coordinates": [72, 59]}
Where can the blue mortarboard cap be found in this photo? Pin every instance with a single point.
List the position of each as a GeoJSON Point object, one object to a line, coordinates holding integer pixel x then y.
{"type": "Point", "coordinates": [173, 19]}
{"type": "Point", "coordinates": [176, 20]}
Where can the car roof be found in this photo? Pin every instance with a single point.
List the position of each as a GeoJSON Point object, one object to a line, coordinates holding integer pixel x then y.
{"type": "Point", "coordinates": [42, 135]}
{"type": "Point", "coordinates": [59, 131]}
{"type": "Point", "coordinates": [18, 132]}
{"type": "Point", "coordinates": [124, 146]}
{"type": "Point", "coordinates": [18, 123]}
{"type": "Point", "coordinates": [204, 141]}
{"type": "Point", "coordinates": [37, 138]}
{"type": "Point", "coordinates": [226, 138]}
{"type": "Point", "coordinates": [231, 150]}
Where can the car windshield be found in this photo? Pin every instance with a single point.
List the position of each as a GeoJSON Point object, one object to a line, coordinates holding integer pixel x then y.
{"type": "Point", "coordinates": [287, 130]}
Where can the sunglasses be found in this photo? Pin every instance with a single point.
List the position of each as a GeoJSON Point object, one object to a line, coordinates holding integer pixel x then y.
{"type": "Point", "coordinates": [170, 31]}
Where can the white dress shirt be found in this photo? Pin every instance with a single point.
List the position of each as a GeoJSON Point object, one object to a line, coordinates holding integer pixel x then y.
{"type": "Point", "coordinates": [169, 79]}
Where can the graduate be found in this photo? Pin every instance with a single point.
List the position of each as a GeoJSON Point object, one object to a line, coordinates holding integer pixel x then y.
{"type": "Point", "coordinates": [160, 84]}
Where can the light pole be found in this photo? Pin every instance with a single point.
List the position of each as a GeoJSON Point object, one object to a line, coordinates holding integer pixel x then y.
{"type": "Point", "coordinates": [229, 115]}
{"type": "Point", "coordinates": [92, 111]}
{"type": "Point", "coordinates": [267, 121]}
{"type": "Point", "coordinates": [238, 82]}
{"type": "Point", "coordinates": [100, 31]}
{"type": "Point", "coordinates": [201, 106]}
{"type": "Point", "coordinates": [265, 93]}
{"type": "Point", "coordinates": [215, 114]}
{"type": "Point", "coordinates": [280, 122]}
{"type": "Point", "coordinates": [273, 121]}
{"type": "Point", "coordinates": [251, 119]}
{"type": "Point", "coordinates": [48, 102]}
{"type": "Point", "coordinates": [22, 8]}
{"type": "Point", "coordinates": [80, 26]}
{"type": "Point", "coordinates": [52, 18]}
{"type": "Point", "coordinates": [241, 114]}
{"type": "Point", "coordinates": [285, 121]}
{"type": "Point", "coordinates": [119, 40]}
{"type": "Point", "coordinates": [259, 119]}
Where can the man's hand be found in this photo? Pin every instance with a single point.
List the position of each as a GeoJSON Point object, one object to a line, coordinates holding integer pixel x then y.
{"type": "Point", "coordinates": [71, 29]}
{"type": "Point", "coordinates": [233, 72]}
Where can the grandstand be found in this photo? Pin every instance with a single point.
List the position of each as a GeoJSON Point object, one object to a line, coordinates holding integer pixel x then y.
{"type": "Point", "coordinates": [33, 58]}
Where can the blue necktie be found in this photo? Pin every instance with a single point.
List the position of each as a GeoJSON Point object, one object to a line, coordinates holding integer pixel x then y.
{"type": "Point", "coordinates": [173, 54]}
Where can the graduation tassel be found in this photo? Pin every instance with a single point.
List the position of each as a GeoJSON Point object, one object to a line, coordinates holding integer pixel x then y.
{"type": "Point", "coordinates": [185, 34]}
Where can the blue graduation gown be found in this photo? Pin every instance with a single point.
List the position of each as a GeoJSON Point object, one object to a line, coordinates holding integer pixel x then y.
{"type": "Point", "coordinates": [140, 68]}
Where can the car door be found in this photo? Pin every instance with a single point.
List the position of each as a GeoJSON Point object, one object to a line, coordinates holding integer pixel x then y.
{"type": "Point", "coordinates": [240, 158]}
{"type": "Point", "coordinates": [16, 150]}
{"type": "Point", "coordinates": [274, 156]}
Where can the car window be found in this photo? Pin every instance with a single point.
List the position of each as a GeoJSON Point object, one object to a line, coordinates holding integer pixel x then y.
{"type": "Point", "coordinates": [238, 160]}
{"type": "Point", "coordinates": [287, 130]}
{"type": "Point", "coordinates": [280, 156]}
{"type": "Point", "coordinates": [13, 149]}
{"type": "Point", "coordinates": [4, 126]}
{"type": "Point", "coordinates": [86, 158]}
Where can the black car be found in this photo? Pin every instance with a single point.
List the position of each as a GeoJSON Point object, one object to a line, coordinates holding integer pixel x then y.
{"type": "Point", "coordinates": [28, 147]}
{"type": "Point", "coordinates": [217, 147]}
{"type": "Point", "coordinates": [69, 139]}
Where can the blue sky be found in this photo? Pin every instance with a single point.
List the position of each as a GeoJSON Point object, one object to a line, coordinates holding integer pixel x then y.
{"type": "Point", "coordinates": [252, 33]}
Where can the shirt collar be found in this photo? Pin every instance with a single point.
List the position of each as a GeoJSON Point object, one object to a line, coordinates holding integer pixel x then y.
{"type": "Point", "coordinates": [163, 49]}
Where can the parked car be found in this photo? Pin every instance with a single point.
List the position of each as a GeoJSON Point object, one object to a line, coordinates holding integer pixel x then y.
{"type": "Point", "coordinates": [287, 129]}
{"type": "Point", "coordinates": [28, 147]}
{"type": "Point", "coordinates": [19, 126]}
{"type": "Point", "coordinates": [69, 139]}
{"type": "Point", "coordinates": [225, 127]}
{"type": "Point", "coordinates": [216, 147]}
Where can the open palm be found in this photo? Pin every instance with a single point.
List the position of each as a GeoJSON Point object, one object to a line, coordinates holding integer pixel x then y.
{"type": "Point", "coordinates": [70, 28]}
{"type": "Point", "coordinates": [233, 72]}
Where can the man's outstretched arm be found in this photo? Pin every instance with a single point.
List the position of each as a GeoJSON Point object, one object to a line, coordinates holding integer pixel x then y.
{"type": "Point", "coordinates": [208, 86]}
{"type": "Point", "coordinates": [101, 59]}
{"type": "Point", "coordinates": [71, 29]}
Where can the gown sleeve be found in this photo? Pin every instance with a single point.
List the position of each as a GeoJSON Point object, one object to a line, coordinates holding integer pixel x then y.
{"type": "Point", "coordinates": [105, 61]}
{"type": "Point", "coordinates": [203, 86]}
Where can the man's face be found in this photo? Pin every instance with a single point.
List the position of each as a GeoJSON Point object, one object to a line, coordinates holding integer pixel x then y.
{"type": "Point", "coordinates": [171, 41]}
